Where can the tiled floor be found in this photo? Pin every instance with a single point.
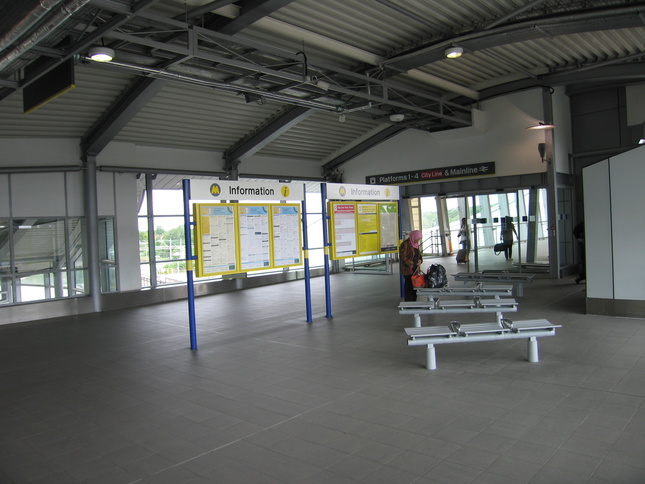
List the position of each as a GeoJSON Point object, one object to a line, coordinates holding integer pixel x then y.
{"type": "Point", "coordinates": [119, 398]}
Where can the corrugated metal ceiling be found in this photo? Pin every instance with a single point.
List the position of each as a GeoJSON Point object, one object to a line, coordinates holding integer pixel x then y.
{"type": "Point", "coordinates": [354, 45]}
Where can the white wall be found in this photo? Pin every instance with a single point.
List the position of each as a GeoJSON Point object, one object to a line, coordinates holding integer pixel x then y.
{"type": "Point", "coordinates": [598, 244]}
{"type": "Point", "coordinates": [562, 134]}
{"type": "Point", "coordinates": [127, 231]}
{"type": "Point", "coordinates": [615, 226]}
{"type": "Point", "coordinates": [18, 152]}
{"type": "Point", "coordinates": [499, 134]}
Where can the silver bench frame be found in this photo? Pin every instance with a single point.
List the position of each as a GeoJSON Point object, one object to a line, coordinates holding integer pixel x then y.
{"type": "Point", "coordinates": [458, 306]}
{"type": "Point", "coordinates": [497, 277]}
{"type": "Point", "coordinates": [471, 333]}
{"type": "Point", "coordinates": [479, 290]}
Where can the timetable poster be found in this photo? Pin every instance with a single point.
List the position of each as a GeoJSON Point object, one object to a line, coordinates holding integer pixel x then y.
{"type": "Point", "coordinates": [389, 227]}
{"type": "Point", "coordinates": [254, 237]}
{"type": "Point", "coordinates": [216, 246]}
{"type": "Point", "coordinates": [368, 236]}
{"type": "Point", "coordinates": [343, 223]}
{"type": "Point", "coordinates": [286, 235]}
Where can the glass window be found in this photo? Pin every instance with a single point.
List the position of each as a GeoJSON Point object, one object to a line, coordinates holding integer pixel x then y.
{"type": "Point", "coordinates": [107, 255]}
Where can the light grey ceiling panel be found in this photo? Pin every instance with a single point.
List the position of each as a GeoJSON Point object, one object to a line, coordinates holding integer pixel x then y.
{"type": "Point", "coordinates": [222, 79]}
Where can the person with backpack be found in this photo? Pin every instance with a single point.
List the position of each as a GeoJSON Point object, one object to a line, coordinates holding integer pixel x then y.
{"type": "Point", "coordinates": [410, 262]}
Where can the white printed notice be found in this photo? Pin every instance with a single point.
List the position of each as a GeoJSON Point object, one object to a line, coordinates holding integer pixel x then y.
{"type": "Point", "coordinates": [389, 227]}
{"type": "Point", "coordinates": [286, 236]}
{"type": "Point", "coordinates": [254, 236]}
{"type": "Point", "coordinates": [344, 229]}
{"type": "Point", "coordinates": [217, 237]}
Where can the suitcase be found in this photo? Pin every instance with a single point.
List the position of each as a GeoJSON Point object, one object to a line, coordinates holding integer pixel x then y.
{"type": "Point", "coordinates": [462, 256]}
{"type": "Point", "coordinates": [499, 248]}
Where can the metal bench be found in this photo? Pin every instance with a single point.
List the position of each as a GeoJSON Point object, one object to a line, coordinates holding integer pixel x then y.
{"type": "Point", "coordinates": [458, 306]}
{"type": "Point", "coordinates": [497, 277]}
{"type": "Point", "coordinates": [479, 290]}
{"type": "Point", "coordinates": [472, 333]}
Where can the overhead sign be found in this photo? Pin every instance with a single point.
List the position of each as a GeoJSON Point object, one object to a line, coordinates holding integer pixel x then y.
{"type": "Point", "coordinates": [245, 190]}
{"type": "Point", "coordinates": [346, 191]}
{"type": "Point", "coordinates": [432, 174]}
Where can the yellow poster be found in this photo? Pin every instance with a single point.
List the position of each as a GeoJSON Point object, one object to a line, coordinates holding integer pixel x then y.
{"type": "Point", "coordinates": [367, 225]}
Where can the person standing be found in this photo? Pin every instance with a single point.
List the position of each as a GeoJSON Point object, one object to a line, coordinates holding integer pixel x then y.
{"type": "Point", "coordinates": [464, 236]}
{"type": "Point", "coordinates": [410, 261]}
{"type": "Point", "coordinates": [579, 234]}
{"type": "Point", "coordinates": [508, 229]}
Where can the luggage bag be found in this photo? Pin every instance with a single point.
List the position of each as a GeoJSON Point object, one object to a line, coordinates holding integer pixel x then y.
{"type": "Point", "coordinates": [499, 248]}
{"type": "Point", "coordinates": [462, 256]}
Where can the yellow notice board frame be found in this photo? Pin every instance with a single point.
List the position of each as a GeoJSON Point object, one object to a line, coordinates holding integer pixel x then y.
{"type": "Point", "coordinates": [343, 230]}
{"type": "Point", "coordinates": [251, 256]}
{"type": "Point", "coordinates": [363, 235]}
{"type": "Point", "coordinates": [204, 214]}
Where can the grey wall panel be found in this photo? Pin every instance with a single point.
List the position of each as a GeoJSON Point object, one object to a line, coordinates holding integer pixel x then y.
{"type": "Point", "coordinates": [599, 252]}
{"type": "Point", "coordinates": [627, 174]}
{"type": "Point", "coordinates": [4, 195]}
{"type": "Point", "coordinates": [38, 195]}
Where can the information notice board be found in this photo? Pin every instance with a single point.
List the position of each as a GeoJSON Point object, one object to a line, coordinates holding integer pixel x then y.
{"type": "Point", "coordinates": [368, 233]}
{"type": "Point", "coordinates": [388, 227]}
{"type": "Point", "coordinates": [343, 230]}
{"type": "Point", "coordinates": [363, 228]}
{"type": "Point", "coordinates": [232, 238]}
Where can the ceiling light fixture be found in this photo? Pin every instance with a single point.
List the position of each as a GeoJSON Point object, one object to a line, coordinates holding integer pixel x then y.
{"type": "Point", "coordinates": [454, 52]}
{"type": "Point", "coordinates": [397, 118]}
{"type": "Point", "coordinates": [101, 54]}
{"type": "Point", "coordinates": [541, 125]}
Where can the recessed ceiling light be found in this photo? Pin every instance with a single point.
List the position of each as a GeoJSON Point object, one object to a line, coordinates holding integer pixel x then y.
{"type": "Point", "coordinates": [454, 52]}
{"type": "Point", "coordinates": [101, 54]}
{"type": "Point", "coordinates": [542, 126]}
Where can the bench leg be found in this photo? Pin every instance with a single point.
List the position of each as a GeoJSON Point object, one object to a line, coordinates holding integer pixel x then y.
{"type": "Point", "coordinates": [417, 320]}
{"type": "Point", "coordinates": [533, 349]}
{"type": "Point", "coordinates": [431, 358]}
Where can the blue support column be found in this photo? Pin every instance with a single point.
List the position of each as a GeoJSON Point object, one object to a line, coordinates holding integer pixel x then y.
{"type": "Point", "coordinates": [189, 265]}
{"type": "Point", "coordinates": [305, 249]}
{"type": "Point", "coordinates": [326, 244]}
{"type": "Point", "coordinates": [401, 279]}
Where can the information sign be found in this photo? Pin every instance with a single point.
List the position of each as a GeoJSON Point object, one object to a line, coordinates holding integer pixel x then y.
{"type": "Point", "coordinates": [432, 174]}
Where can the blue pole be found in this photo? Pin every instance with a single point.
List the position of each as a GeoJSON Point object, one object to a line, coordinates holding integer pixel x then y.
{"type": "Point", "coordinates": [185, 184]}
{"type": "Point", "coordinates": [401, 280]}
{"type": "Point", "coordinates": [305, 249]}
{"type": "Point", "coordinates": [326, 244]}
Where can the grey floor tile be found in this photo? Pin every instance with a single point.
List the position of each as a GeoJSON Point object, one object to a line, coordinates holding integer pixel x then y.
{"type": "Point", "coordinates": [117, 396]}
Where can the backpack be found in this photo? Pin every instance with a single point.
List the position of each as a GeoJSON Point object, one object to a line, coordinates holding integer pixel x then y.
{"type": "Point", "coordinates": [419, 280]}
{"type": "Point", "coordinates": [436, 276]}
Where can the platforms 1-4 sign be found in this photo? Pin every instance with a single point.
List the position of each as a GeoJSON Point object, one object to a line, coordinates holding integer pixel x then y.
{"type": "Point", "coordinates": [432, 174]}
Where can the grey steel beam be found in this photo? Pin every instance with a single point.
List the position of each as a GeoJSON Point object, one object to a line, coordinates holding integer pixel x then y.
{"type": "Point", "coordinates": [126, 107]}
{"type": "Point", "coordinates": [628, 72]}
{"type": "Point", "coordinates": [259, 139]}
{"type": "Point", "coordinates": [250, 12]}
{"type": "Point", "coordinates": [622, 17]}
{"type": "Point", "coordinates": [387, 133]}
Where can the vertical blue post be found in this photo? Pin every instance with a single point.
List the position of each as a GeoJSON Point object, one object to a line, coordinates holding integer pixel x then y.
{"type": "Point", "coordinates": [305, 249]}
{"type": "Point", "coordinates": [401, 279]}
{"type": "Point", "coordinates": [326, 244]}
{"type": "Point", "coordinates": [185, 184]}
